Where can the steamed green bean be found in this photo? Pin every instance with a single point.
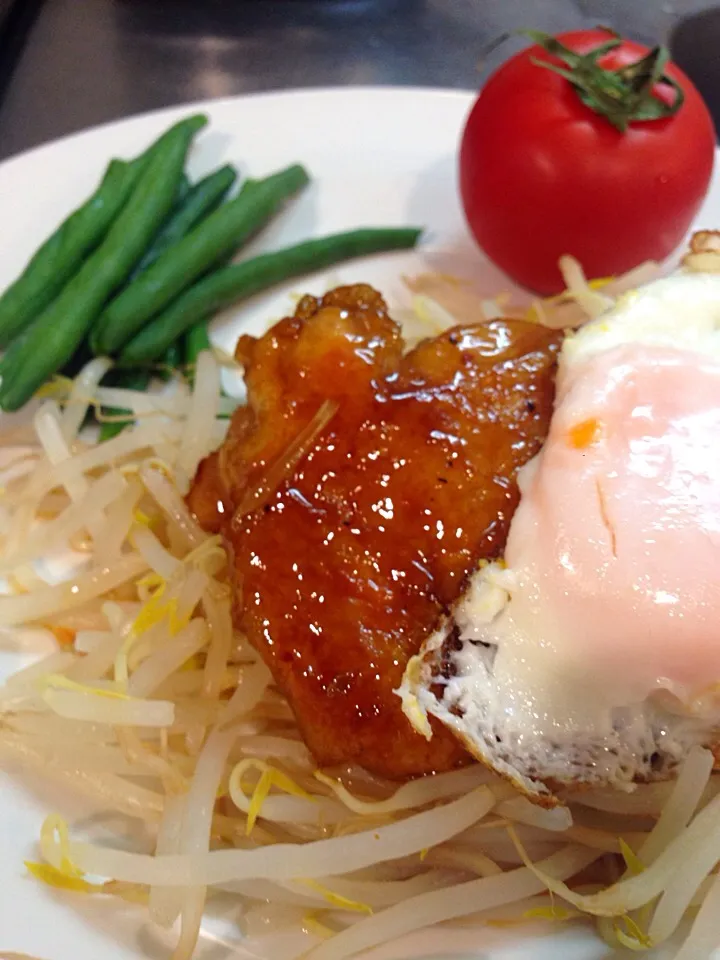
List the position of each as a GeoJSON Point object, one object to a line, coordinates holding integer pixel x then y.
{"type": "Point", "coordinates": [216, 237]}
{"type": "Point", "coordinates": [239, 281]}
{"type": "Point", "coordinates": [60, 329]}
{"type": "Point", "coordinates": [62, 253]}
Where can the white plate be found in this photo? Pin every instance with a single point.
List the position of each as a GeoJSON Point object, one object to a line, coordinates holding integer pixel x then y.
{"type": "Point", "coordinates": [377, 157]}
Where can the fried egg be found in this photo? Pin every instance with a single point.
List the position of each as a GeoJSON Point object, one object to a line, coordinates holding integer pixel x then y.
{"type": "Point", "coordinates": [591, 653]}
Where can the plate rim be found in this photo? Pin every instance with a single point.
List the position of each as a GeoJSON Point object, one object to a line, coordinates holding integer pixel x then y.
{"type": "Point", "coordinates": [208, 103]}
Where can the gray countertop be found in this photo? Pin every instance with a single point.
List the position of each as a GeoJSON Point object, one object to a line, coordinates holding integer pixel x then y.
{"type": "Point", "coordinates": [89, 61]}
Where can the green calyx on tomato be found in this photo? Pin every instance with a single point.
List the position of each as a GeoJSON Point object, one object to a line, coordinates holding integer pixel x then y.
{"type": "Point", "coordinates": [622, 95]}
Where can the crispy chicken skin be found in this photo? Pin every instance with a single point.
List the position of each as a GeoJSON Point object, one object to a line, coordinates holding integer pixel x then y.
{"type": "Point", "coordinates": [350, 536]}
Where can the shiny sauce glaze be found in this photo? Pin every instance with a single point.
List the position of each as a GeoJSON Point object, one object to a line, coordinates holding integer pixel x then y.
{"type": "Point", "coordinates": [343, 567]}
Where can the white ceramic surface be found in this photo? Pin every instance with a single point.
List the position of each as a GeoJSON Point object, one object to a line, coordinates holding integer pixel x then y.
{"type": "Point", "coordinates": [377, 157]}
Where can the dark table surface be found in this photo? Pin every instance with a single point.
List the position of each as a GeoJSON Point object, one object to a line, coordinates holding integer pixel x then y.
{"type": "Point", "coordinates": [70, 64]}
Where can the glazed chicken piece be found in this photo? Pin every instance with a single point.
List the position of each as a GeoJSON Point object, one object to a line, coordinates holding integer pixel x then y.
{"type": "Point", "coordinates": [356, 493]}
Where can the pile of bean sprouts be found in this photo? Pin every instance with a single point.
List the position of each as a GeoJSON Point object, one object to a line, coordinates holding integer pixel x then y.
{"type": "Point", "coordinates": [154, 706]}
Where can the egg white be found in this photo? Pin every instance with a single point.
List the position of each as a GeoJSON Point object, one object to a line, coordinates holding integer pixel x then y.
{"type": "Point", "coordinates": [516, 691]}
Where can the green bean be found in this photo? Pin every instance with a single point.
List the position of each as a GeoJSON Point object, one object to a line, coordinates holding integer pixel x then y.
{"type": "Point", "coordinates": [184, 188]}
{"type": "Point", "coordinates": [200, 200]}
{"type": "Point", "coordinates": [170, 361]}
{"type": "Point", "coordinates": [194, 203]}
{"type": "Point", "coordinates": [61, 254]}
{"type": "Point", "coordinates": [212, 240]}
{"type": "Point", "coordinates": [83, 354]}
{"type": "Point", "coordinates": [241, 280]}
{"type": "Point", "coordinates": [60, 329]}
{"type": "Point", "coordinates": [8, 363]}
{"type": "Point", "coordinates": [57, 259]}
{"type": "Point", "coordinates": [77, 361]}
{"type": "Point", "coordinates": [196, 340]}
{"type": "Point", "coordinates": [182, 192]}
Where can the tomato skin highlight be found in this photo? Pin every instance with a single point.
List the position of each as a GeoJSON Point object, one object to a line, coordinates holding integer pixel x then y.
{"type": "Point", "coordinates": [542, 175]}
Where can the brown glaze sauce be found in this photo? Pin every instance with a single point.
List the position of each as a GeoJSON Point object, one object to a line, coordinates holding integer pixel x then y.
{"type": "Point", "coordinates": [343, 572]}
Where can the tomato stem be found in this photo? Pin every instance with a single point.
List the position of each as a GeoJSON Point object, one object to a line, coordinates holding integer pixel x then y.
{"type": "Point", "coordinates": [622, 96]}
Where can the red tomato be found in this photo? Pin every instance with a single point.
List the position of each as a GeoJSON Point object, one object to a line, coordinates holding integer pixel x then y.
{"type": "Point", "coordinates": [541, 174]}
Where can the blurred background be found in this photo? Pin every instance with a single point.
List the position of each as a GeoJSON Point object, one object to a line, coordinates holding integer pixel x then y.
{"type": "Point", "coordinates": [69, 64]}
